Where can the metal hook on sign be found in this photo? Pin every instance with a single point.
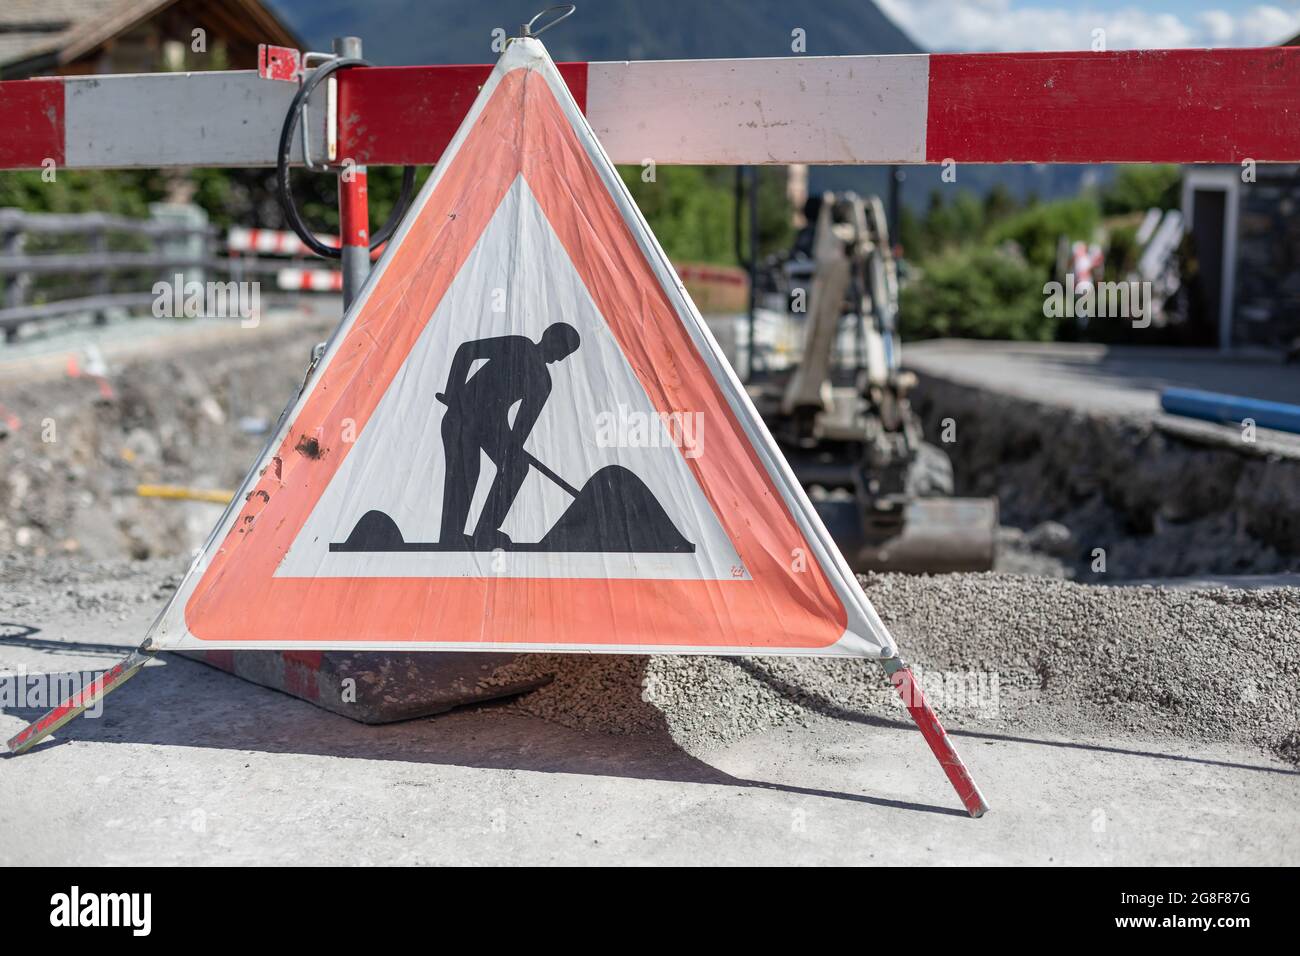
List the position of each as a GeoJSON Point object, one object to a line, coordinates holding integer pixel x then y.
{"type": "Point", "coordinates": [527, 29]}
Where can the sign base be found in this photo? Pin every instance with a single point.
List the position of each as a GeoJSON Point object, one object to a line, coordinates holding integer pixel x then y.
{"type": "Point", "coordinates": [373, 687]}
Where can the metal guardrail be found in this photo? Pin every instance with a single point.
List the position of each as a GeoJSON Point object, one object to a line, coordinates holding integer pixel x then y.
{"type": "Point", "coordinates": [151, 245]}
{"type": "Point", "coordinates": [116, 258]}
{"type": "Point", "coordinates": [241, 255]}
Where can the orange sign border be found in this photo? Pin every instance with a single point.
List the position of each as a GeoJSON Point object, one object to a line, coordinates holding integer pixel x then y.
{"type": "Point", "coordinates": [782, 605]}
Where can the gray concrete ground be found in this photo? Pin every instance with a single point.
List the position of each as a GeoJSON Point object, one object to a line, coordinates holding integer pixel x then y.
{"type": "Point", "coordinates": [1100, 378]}
{"type": "Point", "coordinates": [189, 765]}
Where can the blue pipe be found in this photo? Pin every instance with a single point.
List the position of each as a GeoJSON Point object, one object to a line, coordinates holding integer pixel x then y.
{"type": "Point", "coordinates": [1214, 407]}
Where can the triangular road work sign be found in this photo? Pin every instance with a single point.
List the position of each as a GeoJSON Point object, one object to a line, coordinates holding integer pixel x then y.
{"type": "Point", "coordinates": [523, 437]}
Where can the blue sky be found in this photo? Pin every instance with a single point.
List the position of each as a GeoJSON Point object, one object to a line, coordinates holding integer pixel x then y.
{"type": "Point", "coordinates": [978, 25]}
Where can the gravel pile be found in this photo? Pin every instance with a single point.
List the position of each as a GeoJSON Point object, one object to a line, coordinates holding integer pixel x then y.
{"type": "Point", "coordinates": [992, 650]}
{"type": "Point", "coordinates": [1213, 664]}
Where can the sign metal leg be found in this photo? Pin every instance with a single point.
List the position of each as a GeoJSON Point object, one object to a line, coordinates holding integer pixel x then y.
{"type": "Point", "coordinates": [904, 681]}
{"type": "Point", "coordinates": [75, 705]}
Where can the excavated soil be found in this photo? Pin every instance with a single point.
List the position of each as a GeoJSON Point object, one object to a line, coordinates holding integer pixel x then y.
{"type": "Point", "coordinates": [71, 458]}
{"type": "Point", "coordinates": [1158, 504]}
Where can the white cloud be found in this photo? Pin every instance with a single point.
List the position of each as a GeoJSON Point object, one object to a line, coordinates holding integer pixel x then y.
{"type": "Point", "coordinates": [1004, 25]}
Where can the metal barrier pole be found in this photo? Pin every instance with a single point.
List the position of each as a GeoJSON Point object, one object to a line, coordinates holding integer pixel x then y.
{"type": "Point", "coordinates": [354, 201]}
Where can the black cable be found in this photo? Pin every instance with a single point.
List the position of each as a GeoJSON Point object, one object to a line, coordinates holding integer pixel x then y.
{"type": "Point", "coordinates": [285, 188]}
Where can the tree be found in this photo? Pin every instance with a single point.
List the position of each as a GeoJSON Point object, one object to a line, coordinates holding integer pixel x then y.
{"type": "Point", "coordinates": [999, 204]}
{"type": "Point", "coordinates": [691, 210]}
{"type": "Point", "coordinates": [975, 292]}
{"type": "Point", "coordinates": [1139, 188]}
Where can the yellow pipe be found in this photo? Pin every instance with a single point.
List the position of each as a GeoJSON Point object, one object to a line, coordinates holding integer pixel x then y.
{"type": "Point", "coordinates": [179, 492]}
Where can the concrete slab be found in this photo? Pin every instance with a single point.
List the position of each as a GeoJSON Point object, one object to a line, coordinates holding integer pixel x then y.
{"type": "Point", "coordinates": [187, 766]}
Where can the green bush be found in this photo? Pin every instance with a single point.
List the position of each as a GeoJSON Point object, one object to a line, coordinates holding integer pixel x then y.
{"type": "Point", "coordinates": [691, 210]}
{"type": "Point", "coordinates": [1038, 229]}
{"type": "Point", "coordinates": [949, 224]}
{"type": "Point", "coordinates": [1139, 188]}
{"type": "Point", "coordinates": [978, 293]}
{"type": "Point", "coordinates": [122, 192]}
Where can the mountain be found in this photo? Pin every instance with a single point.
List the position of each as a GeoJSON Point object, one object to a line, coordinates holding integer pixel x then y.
{"type": "Point", "coordinates": [401, 32]}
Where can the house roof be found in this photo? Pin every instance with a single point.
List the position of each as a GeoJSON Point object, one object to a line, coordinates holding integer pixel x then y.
{"type": "Point", "coordinates": [69, 29]}
{"type": "Point", "coordinates": [32, 27]}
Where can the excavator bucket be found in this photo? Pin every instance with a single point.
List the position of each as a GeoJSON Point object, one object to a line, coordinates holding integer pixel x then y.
{"type": "Point", "coordinates": [925, 536]}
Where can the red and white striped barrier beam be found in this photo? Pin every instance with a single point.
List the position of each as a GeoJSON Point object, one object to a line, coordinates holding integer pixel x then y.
{"type": "Point", "coordinates": [271, 242]}
{"type": "Point", "coordinates": [1186, 106]}
{"type": "Point", "coordinates": [309, 280]}
{"type": "Point", "coordinates": [292, 279]}
{"type": "Point", "coordinates": [279, 242]}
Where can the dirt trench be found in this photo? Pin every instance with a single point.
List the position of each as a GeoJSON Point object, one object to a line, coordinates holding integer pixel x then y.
{"type": "Point", "coordinates": [1119, 498]}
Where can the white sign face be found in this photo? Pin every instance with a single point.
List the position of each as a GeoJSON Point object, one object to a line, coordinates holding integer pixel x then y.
{"type": "Point", "coordinates": [592, 415]}
{"type": "Point", "coordinates": [523, 437]}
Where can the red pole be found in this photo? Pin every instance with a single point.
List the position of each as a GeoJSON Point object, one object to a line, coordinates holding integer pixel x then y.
{"type": "Point", "coordinates": [354, 208]}
{"type": "Point", "coordinates": [354, 201]}
{"type": "Point", "coordinates": [354, 230]}
{"type": "Point", "coordinates": [900, 675]}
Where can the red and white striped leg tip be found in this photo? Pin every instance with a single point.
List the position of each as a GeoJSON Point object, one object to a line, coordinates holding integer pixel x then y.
{"type": "Point", "coordinates": [77, 704]}
{"type": "Point", "coordinates": [904, 681]}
